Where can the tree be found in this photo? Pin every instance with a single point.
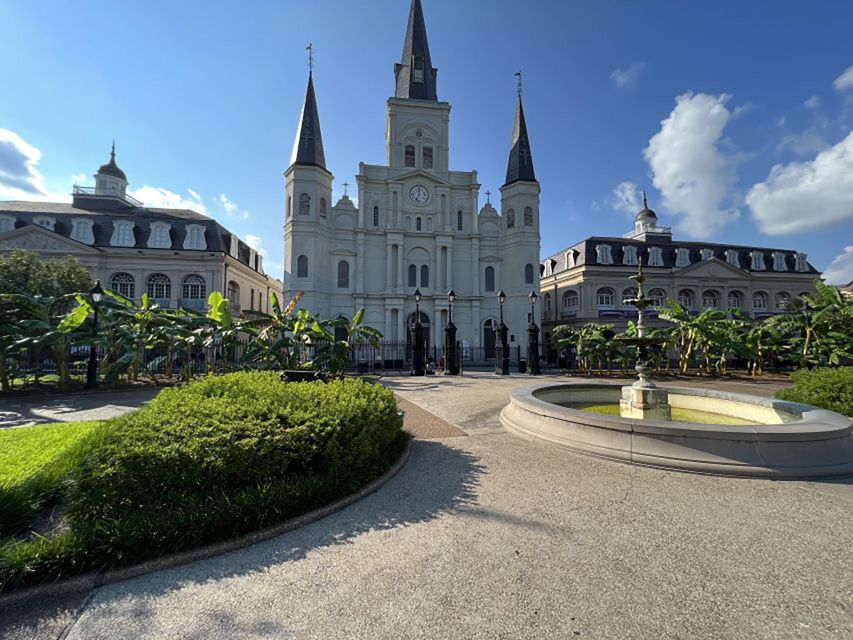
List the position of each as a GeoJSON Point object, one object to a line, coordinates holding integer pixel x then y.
{"type": "Point", "coordinates": [691, 332]}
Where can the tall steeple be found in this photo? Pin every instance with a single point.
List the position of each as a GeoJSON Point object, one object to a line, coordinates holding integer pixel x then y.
{"type": "Point", "coordinates": [415, 75]}
{"type": "Point", "coordinates": [520, 164]}
{"type": "Point", "coordinates": [308, 146]}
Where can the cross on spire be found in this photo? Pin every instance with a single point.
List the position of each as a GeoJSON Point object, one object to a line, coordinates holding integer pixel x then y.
{"type": "Point", "coordinates": [488, 197]}
{"type": "Point", "coordinates": [346, 186]}
{"type": "Point", "coordinates": [310, 49]}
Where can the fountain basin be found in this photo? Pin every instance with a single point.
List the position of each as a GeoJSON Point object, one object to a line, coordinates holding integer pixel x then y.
{"type": "Point", "coordinates": [790, 440]}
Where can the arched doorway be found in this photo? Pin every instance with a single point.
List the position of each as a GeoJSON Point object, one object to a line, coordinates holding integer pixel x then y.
{"type": "Point", "coordinates": [489, 334]}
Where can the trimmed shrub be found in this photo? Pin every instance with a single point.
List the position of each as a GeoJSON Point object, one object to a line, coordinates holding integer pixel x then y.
{"type": "Point", "coordinates": [826, 388]}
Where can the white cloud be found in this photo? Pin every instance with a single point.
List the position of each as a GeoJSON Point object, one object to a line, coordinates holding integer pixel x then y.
{"type": "Point", "coordinates": [741, 109]}
{"type": "Point", "coordinates": [231, 209]}
{"type": "Point", "coordinates": [163, 198]}
{"type": "Point", "coordinates": [805, 143]}
{"type": "Point", "coordinates": [628, 77]}
{"type": "Point", "coordinates": [840, 270]}
{"type": "Point", "coordinates": [20, 178]}
{"type": "Point", "coordinates": [812, 103]}
{"type": "Point", "coordinates": [257, 244]}
{"type": "Point", "coordinates": [79, 178]}
{"type": "Point", "coordinates": [803, 196]}
{"type": "Point", "coordinates": [844, 82]}
{"type": "Point", "coordinates": [688, 168]}
{"type": "Point", "coordinates": [626, 197]}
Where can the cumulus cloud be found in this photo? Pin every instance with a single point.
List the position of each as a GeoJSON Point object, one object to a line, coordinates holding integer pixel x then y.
{"type": "Point", "coordinates": [741, 109]}
{"type": "Point", "coordinates": [627, 77]}
{"type": "Point", "coordinates": [20, 178]}
{"type": "Point", "coordinates": [231, 209]}
{"type": "Point", "coordinates": [812, 103]}
{"type": "Point", "coordinates": [804, 196]}
{"type": "Point", "coordinates": [693, 175]}
{"type": "Point", "coordinates": [844, 82]}
{"type": "Point", "coordinates": [257, 244]}
{"type": "Point", "coordinates": [804, 143]}
{"type": "Point", "coordinates": [840, 270]}
{"type": "Point", "coordinates": [158, 197]}
{"type": "Point", "coordinates": [626, 197]}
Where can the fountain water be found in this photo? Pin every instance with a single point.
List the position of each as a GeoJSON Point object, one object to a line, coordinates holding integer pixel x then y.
{"type": "Point", "coordinates": [643, 399]}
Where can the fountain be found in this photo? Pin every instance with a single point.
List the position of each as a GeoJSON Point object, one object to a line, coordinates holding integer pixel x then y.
{"type": "Point", "coordinates": [643, 399]}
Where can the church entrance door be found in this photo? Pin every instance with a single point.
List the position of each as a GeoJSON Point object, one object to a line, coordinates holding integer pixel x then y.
{"type": "Point", "coordinates": [489, 332]}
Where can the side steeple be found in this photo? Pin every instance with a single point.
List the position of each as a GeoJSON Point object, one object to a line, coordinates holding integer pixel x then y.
{"type": "Point", "coordinates": [308, 146]}
{"type": "Point", "coordinates": [415, 75]}
{"type": "Point", "coordinates": [520, 164]}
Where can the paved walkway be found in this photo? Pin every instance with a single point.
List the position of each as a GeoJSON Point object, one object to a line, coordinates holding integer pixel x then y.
{"type": "Point", "coordinates": [489, 536]}
{"type": "Point", "coordinates": [97, 405]}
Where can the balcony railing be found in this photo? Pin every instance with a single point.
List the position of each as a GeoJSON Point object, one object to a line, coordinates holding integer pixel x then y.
{"type": "Point", "coordinates": [199, 304]}
{"type": "Point", "coordinates": [568, 313]}
{"type": "Point", "coordinates": [93, 192]}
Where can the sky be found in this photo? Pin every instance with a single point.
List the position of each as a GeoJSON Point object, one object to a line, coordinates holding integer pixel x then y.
{"type": "Point", "coordinates": [734, 116]}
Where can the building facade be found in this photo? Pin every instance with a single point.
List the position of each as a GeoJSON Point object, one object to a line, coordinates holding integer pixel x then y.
{"type": "Point", "coordinates": [417, 225]}
{"type": "Point", "coordinates": [588, 282]}
{"type": "Point", "coordinates": [176, 256]}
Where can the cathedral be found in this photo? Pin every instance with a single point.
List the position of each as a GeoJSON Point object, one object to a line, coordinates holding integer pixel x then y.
{"type": "Point", "coordinates": [418, 225]}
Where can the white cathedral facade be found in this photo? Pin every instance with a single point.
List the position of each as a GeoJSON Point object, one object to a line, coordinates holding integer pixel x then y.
{"type": "Point", "coordinates": [418, 224]}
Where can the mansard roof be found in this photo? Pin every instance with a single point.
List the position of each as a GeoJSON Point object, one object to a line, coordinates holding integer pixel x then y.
{"type": "Point", "coordinates": [308, 145]}
{"type": "Point", "coordinates": [520, 164]}
{"type": "Point", "coordinates": [217, 237]}
{"type": "Point", "coordinates": [411, 85]}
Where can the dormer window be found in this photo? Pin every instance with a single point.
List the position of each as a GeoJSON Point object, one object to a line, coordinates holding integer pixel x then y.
{"type": "Point", "coordinates": [682, 257]}
{"type": "Point", "coordinates": [45, 222]}
{"type": "Point", "coordinates": [757, 263]}
{"type": "Point", "coordinates": [655, 257]}
{"type": "Point", "coordinates": [410, 155]}
{"type": "Point", "coordinates": [81, 231]}
{"type": "Point", "coordinates": [603, 254]}
{"type": "Point", "coordinates": [7, 223]}
{"type": "Point", "coordinates": [160, 238]}
{"type": "Point", "coordinates": [195, 237]}
{"type": "Point", "coordinates": [779, 263]}
{"type": "Point", "coordinates": [629, 255]}
{"type": "Point", "coordinates": [802, 264]}
{"type": "Point", "coordinates": [122, 234]}
{"type": "Point", "coordinates": [234, 249]}
{"type": "Point", "coordinates": [707, 254]}
{"type": "Point", "coordinates": [732, 258]}
{"type": "Point", "coordinates": [570, 259]}
{"type": "Point", "coordinates": [418, 69]}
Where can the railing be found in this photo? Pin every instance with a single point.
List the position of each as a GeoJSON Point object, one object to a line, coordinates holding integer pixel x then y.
{"type": "Point", "coordinates": [199, 304]}
{"type": "Point", "coordinates": [93, 192]}
{"type": "Point", "coordinates": [569, 313]}
{"type": "Point", "coordinates": [165, 303]}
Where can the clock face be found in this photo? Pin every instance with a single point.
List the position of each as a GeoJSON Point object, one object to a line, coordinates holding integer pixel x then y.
{"type": "Point", "coordinates": [419, 194]}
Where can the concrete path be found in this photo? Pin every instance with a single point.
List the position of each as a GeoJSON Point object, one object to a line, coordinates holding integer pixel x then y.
{"type": "Point", "coordinates": [488, 536]}
{"type": "Point", "coordinates": [97, 405]}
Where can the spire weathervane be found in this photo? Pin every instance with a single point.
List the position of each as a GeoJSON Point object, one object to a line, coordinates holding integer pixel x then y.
{"type": "Point", "coordinates": [310, 49]}
{"type": "Point", "coordinates": [645, 203]}
{"type": "Point", "coordinates": [517, 74]}
{"type": "Point", "coordinates": [113, 152]}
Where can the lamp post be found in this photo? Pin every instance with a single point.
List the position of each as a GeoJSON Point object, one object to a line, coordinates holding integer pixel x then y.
{"type": "Point", "coordinates": [532, 338]}
{"type": "Point", "coordinates": [92, 370]}
{"type": "Point", "coordinates": [502, 347]}
{"type": "Point", "coordinates": [418, 337]}
{"type": "Point", "coordinates": [451, 364]}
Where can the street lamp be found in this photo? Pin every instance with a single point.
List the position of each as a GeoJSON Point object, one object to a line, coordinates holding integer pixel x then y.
{"type": "Point", "coordinates": [451, 364]}
{"type": "Point", "coordinates": [418, 351]}
{"type": "Point", "coordinates": [532, 337]}
{"type": "Point", "coordinates": [97, 294]}
{"type": "Point", "coordinates": [502, 350]}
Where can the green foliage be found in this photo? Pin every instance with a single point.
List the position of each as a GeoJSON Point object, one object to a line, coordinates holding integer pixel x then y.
{"type": "Point", "coordinates": [26, 273]}
{"type": "Point", "coordinates": [826, 388]}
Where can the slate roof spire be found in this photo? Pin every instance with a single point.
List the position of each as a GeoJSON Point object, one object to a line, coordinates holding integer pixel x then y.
{"type": "Point", "coordinates": [415, 75]}
{"type": "Point", "coordinates": [111, 168]}
{"type": "Point", "coordinates": [520, 164]}
{"type": "Point", "coordinates": [308, 146]}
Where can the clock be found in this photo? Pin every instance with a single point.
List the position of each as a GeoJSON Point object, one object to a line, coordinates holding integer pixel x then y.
{"type": "Point", "coordinates": [419, 194]}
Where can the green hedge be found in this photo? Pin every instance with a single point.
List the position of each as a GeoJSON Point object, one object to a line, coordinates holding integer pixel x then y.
{"type": "Point", "coordinates": [212, 460]}
{"type": "Point", "coordinates": [826, 388]}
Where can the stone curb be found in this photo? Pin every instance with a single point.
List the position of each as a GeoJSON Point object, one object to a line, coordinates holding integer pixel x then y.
{"type": "Point", "coordinates": [79, 585]}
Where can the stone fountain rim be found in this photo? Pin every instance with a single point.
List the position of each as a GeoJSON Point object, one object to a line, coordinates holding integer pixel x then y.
{"type": "Point", "coordinates": [813, 423]}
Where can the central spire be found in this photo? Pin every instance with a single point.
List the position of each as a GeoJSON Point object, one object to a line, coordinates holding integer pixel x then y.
{"type": "Point", "coordinates": [308, 146]}
{"type": "Point", "coordinates": [520, 164]}
{"type": "Point", "coordinates": [415, 75]}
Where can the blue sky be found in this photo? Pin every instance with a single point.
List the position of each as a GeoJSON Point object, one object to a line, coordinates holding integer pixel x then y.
{"type": "Point", "coordinates": [736, 116]}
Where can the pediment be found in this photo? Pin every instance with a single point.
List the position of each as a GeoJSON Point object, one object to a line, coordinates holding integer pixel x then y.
{"type": "Point", "coordinates": [36, 238]}
{"type": "Point", "coordinates": [713, 268]}
{"type": "Point", "coordinates": [420, 173]}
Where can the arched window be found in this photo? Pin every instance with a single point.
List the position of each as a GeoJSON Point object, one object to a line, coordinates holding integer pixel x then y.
{"type": "Point", "coordinates": [658, 297]}
{"type": "Point", "coordinates": [418, 65]}
{"type": "Point", "coordinates": [410, 155]}
{"type": "Point", "coordinates": [158, 286]}
{"type": "Point", "coordinates": [605, 298]}
{"type": "Point", "coordinates": [570, 300]}
{"type": "Point", "coordinates": [490, 278]}
{"type": "Point", "coordinates": [685, 298]}
{"type": "Point", "coordinates": [710, 299]}
{"type": "Point", "coordinates": [427, 156]}
{"type": "Point", "coordinates": [322, 206]}
{"type": "Point", "coordinates": [302, 267]}
{"type": "Point", "coordinates": [528, 273]}
{"type": "Point", "coordinates": [424, 276]}
{"type": "Point", "coordinates": [528, 216]}
{"type": "Point", "coordinates": [759, 301]}
{"type": "Point", "coordinates": [233, 295]}
{"type": "Point", "coordinates": [547, 303]}
{"type": "Point", "coordinates": [735, 300]}
{"type": "Point", "coordinates": [288, 207]}
{"type": "Point", "coordinates": [629, 294]}
{"type": "Point", "coordinates": [783, 300]}
{"type": "Point", "coordinates": [413, 276]}
{"type": "Point", "coordinates": [459, 220]}
{"type": "Point", "coordinates": [343, 274]}
{"type": "Point", "coordinates": [510, 218]}
{"type": "Point", "coordinates": [123, 284]}
{"type": "Point", "coordinates": [304, 204]}
{"type": "Point", "coordinates": [375, 216]}
{"type": "Point", "coordinates": [418, 223]}
{"type": "Point", "coordinates": [194, 287]}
